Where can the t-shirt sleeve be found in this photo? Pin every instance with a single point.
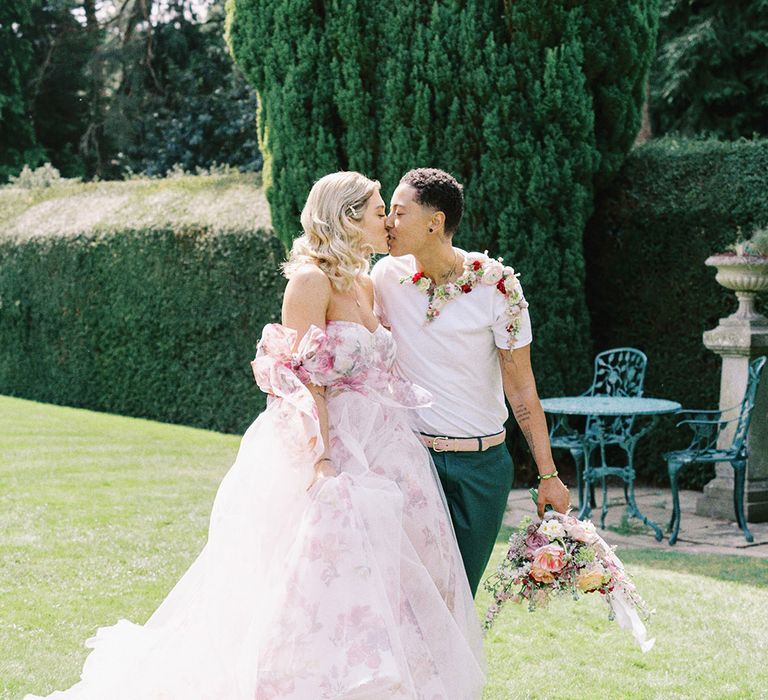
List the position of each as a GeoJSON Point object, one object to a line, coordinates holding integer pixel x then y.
{"type": "Point", "coordinates": [511, 321]}
{"type": "Point", "coordinates": [378, 275]}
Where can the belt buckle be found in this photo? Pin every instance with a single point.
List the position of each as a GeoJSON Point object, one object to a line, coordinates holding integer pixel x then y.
{"type": "Point", "coordinates": [434, 443]}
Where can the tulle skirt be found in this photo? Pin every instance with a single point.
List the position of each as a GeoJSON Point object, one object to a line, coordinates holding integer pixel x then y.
{"type": "Point", "coordinates": [351, 589]}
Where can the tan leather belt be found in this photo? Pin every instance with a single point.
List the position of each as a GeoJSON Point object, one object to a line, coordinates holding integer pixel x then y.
{"type": "Point", "coordinates": [442, 443]}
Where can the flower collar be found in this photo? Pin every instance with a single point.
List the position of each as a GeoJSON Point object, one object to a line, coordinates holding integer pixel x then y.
{"type": "Point", "coordinates": [478, 269]}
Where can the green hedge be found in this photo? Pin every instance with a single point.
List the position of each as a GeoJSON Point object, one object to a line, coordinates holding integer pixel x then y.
{"type": "Point", "coordinates": [158, 322]}
{"type": "Point", "coordinates": [674, 204]}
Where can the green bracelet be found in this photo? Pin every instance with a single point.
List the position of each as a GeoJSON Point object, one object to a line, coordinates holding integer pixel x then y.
{"type": "Point", "coordinates": [542, 477]}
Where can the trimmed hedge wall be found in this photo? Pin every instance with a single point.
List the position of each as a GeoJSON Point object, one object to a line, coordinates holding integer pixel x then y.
{"type": "Point", "coordinates": [674, 204]}
{"type": "Point", "coordinates": [158, 323]}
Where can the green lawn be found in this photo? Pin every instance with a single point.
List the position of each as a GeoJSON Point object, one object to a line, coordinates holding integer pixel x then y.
{"type": "Point", "coordinates": [101, 514]}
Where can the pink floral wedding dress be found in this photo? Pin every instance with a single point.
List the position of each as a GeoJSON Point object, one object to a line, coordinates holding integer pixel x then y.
{"type": "Point", "coordinates": [353, 589]}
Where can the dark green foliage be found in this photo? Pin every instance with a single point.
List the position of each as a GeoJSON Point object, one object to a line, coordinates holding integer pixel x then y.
{"type": "Point", "coordinates": [711, 71]}
{"type": "Point", "coordinates": [18, 144]}
{"type": "Point", "coordinates": [529, 104]}
{"type": "Point", "coordinates": [63, 55]}
{"type": "Point", "coordinates": [153, 323]}
{"type": "Point", "coordinates": [674, 204]}
{"type": "Point", "coordinates": [99, 90]}
{"type": "Point", "coordinates": [56, 85]}
{"type": "Point", "coordinates": [193, 109]}
{"type": "Point", "coordinates": [555, 159]}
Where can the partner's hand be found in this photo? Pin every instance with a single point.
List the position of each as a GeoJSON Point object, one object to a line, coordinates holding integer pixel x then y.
{"type": "Point", "coordinates": [322, 469]}
{"type": "Point", "coordinates": [555, 493]}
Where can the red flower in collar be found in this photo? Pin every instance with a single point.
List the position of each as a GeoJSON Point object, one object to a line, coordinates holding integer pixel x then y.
{"type": "Point", "coordinates": [478, 270]}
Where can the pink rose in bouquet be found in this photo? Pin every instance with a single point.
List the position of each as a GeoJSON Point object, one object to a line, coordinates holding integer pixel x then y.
{"type": "Point", "coordinates": [583, 531]}
{"type": "Point", "coordinates": [493, 271]}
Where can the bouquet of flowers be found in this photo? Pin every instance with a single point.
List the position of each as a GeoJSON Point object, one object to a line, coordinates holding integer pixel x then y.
{"type": "Point", "coordinates": [561, 555]}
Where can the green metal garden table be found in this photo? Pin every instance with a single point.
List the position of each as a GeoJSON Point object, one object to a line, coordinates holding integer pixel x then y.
{"type": "Point", "coordinates": [613, 423]}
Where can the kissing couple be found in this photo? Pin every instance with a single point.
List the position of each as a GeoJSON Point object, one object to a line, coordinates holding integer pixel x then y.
{"type": "Point", "coordinates": [349, 537]}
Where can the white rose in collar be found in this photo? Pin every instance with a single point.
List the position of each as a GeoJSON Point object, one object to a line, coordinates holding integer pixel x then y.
{"type": "Point", "coordinates": [493, 271]}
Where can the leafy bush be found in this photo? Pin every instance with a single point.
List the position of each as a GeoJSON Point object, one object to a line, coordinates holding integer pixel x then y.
{"type": "Point", "coordinates": [194, 108]}
{"type": "Point", "coordinates": [18, 142]}
{"type": "Point", "coordinates": [29, 179]}
{"type": "Point", "coordinates": [159, 321]}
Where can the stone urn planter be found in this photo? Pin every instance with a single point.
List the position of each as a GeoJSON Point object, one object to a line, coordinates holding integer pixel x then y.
{"type": "Point", "coordinates": [746, 275]}
{"type": "Point", "coordinates": [738, 339]}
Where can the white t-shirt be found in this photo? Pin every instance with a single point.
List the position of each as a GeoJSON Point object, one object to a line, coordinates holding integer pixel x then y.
{"type": "Point", "coordinates": [453, 356]}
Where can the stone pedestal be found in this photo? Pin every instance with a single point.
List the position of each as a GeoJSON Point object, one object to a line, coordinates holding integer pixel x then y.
{"type": "Point", "coordinates": [738, 340]}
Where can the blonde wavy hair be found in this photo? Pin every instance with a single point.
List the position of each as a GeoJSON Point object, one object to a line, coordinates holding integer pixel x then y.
{"type": "Point", "coordinates": [332, 239]}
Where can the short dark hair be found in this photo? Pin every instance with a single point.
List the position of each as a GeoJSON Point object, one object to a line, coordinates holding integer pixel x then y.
{"type": "Point", "coordinates": [439, 190]}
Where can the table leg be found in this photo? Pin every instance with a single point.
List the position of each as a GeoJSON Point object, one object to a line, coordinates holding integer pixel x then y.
{"type": "Point", "coordinates": [579, 457]}
{"type": "Point", "coordinates": [634, 512]}
{"type": "Point", "coordinates": [585, 490]}
{"type": "Point", "coordinates": [627, 475]}
{"type": "Point", "coordinates": [604, 505]}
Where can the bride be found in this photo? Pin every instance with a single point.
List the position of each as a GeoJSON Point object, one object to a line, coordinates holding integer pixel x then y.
{"type": "Point", "coordinates": [331, 569]}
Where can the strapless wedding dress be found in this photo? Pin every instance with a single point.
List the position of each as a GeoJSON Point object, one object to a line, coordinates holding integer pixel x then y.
{"type": "Point", "coordinates": [353, 589]}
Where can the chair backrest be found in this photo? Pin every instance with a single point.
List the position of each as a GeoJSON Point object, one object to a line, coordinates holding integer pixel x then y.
{"type": "Point", "coordinates": [748, 403]}
{"type": "Point", "coordinates": [619, 372]}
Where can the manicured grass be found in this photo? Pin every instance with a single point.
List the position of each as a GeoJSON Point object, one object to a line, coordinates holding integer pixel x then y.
{"type": "Point", "coordinates": [99, 516]}
{"type": "Point", "coordinates": [710, 629]}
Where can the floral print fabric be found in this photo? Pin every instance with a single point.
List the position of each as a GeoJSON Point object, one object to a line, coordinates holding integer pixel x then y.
{"type": "Point", "coordinates": [351, 589]}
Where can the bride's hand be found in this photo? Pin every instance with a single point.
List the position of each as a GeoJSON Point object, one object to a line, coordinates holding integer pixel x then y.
{"type": "Point", "coordinates": [323, 468]}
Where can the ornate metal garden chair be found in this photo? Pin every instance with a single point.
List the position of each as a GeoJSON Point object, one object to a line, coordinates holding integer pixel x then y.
{"type": "Point", "coordinates": [618, 372]}
{"type": "Point", "coordinates": [706, 446]}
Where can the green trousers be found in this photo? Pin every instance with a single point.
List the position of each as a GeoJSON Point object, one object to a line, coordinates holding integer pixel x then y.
{"type": "Point", "coordinates": [476, 486]}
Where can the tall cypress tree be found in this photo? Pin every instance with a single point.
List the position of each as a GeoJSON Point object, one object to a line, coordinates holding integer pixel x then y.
{"type": "Point", "coordinates": [531, 104]}
{"type": "Point", "coordinates": [284, 51]}
{"type": "Point", "coordinates": [619, 40]}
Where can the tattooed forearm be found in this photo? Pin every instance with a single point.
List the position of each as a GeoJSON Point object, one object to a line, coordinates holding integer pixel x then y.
{"type": "Point", "coordinates": [520, 390]}
{"type": "Point", "coordinates": [529, 438]}
{"type": "Point", "coordinates": [523, 417]}
{"type": "Point", "coordinates": [522, 414]}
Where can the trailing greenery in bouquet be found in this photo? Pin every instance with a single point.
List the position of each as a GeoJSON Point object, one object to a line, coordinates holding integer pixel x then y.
{"type": "Point", "coordinates": [561, 555]}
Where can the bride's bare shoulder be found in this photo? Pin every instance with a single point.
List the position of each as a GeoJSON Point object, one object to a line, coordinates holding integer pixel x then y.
{"type": "Point", "coordinates": [307, 297]}
{"type": "Point", "coordinates": [309, 278]}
